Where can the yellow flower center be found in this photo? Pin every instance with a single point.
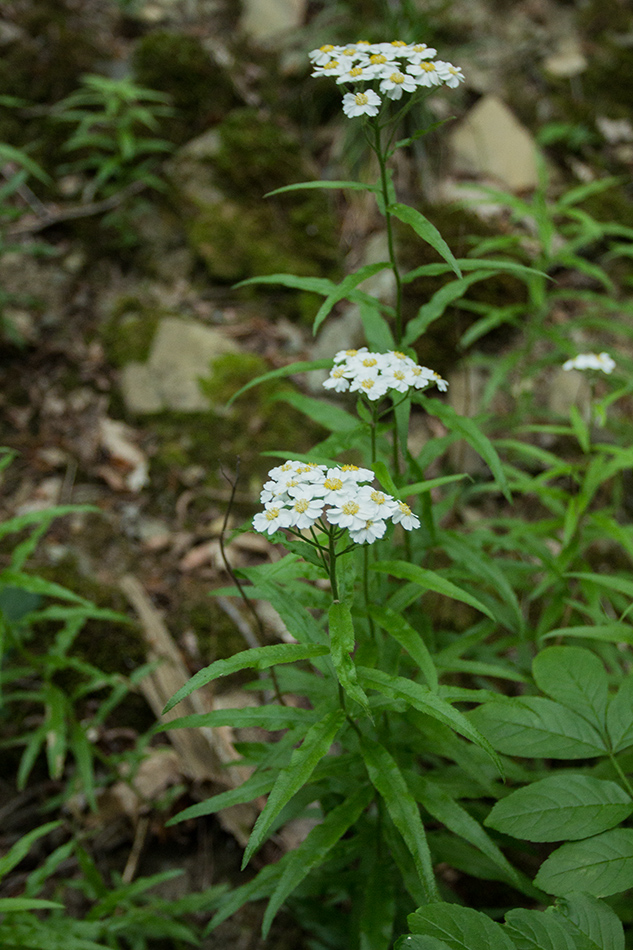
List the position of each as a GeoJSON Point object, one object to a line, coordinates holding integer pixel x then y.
{"type": "Point", "coordinates": [363, 43]}
{"type": "Point", "coordinates": [350, 508]}
{"type": "Point", "coordinates": [302, 505]}
{"type": "Point", "coordinates": [378, 497]}
{"type": "Point", "coordinates": [356, 71]}
{"type": "Point", "coordinates": [397, 78]}
{"type": "Point", "coordinates": [367, 383]}
{"type": "Point", "coordinates": [420, 47]}
{"type": "Point", "coordinates": [351, 352]}
{"type": "Point", "coordinates": [378, 59]}
{"type": "Point", "coordinates": [337, 373]}
{"type": "Point", "coordinates": [369, 361]}
{"type": "Point", "coordinates": [398, 374]}
{"type": "Point", "coordinates": [428, 67]}
{"type": "Point", "coordinates": [404, 508]}
{"type": "Point", "coordinates": [361, 99]}
{"type": "Point", "coordinates": [333, 484]}
{"type": "Point", "coordinates": [350, 51]}
{"type": "Point", "coordinates": [398, 43]}
{"type": "Point", "coordinates": [349, 468]}
{"type": "Point", "coordinates": [326, 49]}
{"type": "Point", "coordinates": [398, 355]}
{"type": "Point", "coordinates": [272, 513]}
{"type": "Point", "coordinates": [333, 64]}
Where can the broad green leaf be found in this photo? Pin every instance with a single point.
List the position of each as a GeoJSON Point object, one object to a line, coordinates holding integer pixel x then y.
{"type": "Point", "coordinates": [303, 761]}
{"type": "Point", "coordinates": [429, 580]}
{"type": "Point", "coordinates": [561, 807]}
{"type": "Point", "coordinates": [538, 930]}
{"type": "Point", "coordinates": [325, 413]}
{"type": "Point", "coordinates": [342, 645]}
{"type": "Point", "coordinates": [451, 814]}
{"type": "Point", "coordinates": [602, 865]}
{"type": "Point", "coordinates": [619, 718]}
{"type": "Point", "coordinates": [260, 658]}
{"type": "Point", "coordinates": [282, 372]}
{"type": "Point", "coordinates": [302, 185]}
{"type": "Point", "coordinates": [377, 331]}
{"type": "Point", "coordinates": [576, 678]}
{"type": "Point", "coordinates": [593, 919]}
{"type": "Point", "coordinates": [438, 303]}
{"type": "Point", "coordinates": [427, 231]}
{"type": "Point", "coordinates": [470, 431]}
{"type": "Point", "coordinates": [461, 928]}
{"type": "Point", "coordinates": [342, 290]}
{"type": "Point", "coordinates": [535, 727]}
{"type": "Point", "coordinates": [419, 942]}
{"type": "Point", "coordinates": [315, 848]}
{"type": "Point", "coordinates": [389, 782]}
{"type": "Point", "coordinates": [426, 701]}
{"type": "Point", "coordinates": [408, 638]}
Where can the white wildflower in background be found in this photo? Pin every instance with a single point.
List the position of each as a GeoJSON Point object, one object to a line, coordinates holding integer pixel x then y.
{"type": "Point", "coordinates": [600, 361]}
{"type": "Point", "coordinates": [298, 495]}
{"type": "Point", "coordinates": [376, 374]}
{"type": "Point", "coordinates": [393, 68]}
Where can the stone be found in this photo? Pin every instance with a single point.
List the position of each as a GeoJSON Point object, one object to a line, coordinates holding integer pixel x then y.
{"type": "Point", "coordinates": [567, 60]}
{"type": "Point", "coordinates": [490, 142]}
{"type": "Point", "coordinates": [265, 20]}
{"type": "Point", "coordinates": [180, 355]}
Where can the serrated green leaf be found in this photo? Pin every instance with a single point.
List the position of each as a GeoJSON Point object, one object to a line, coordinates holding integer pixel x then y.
{"type": "Point", "coordinates": [602, 865]}
{"type": "Point", "coordinates": [259, 658]}
{"type": "Point", "coordinates": [419, 942]}
{"type": "Point", "coordinates": [389, 782]}
{"type": "Point", "coordinates": [428, 702]}
{"type": "Point", "coordinates": [619, 718]}
{"type": "Point", "coordinates": [592, 918]}
{"type": "Point", "coordinates": [316, 744]}
{"type": "Point", "coordinates": [429, 580]}
{"type": "Point", "coordinates": [408, 638]}
{"type": "Point", "coordinates": [561, 807]}
{"type": "Point", "coordinates": [427, 231]}
{"type": "Point", "coordinates": [535, 930]}
{"type": "Point", "coordinates": [576, 678]}
{"type": "Point", "coordinates": [461, 928]}
{"type": "Point", "coordinates": [314, 849]}
{"type": "Point", "coordinates": [535, 727]}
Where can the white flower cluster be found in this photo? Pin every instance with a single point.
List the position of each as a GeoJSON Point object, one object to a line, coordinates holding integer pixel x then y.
{"type": "Point", "coordinates": [591, 361]}
{"type": "Point", "coordinates": [298, 494]}
{"type": "Point", "coordinates": [374, 374]}
{"type": "Point", "coordinates": [392, 69]}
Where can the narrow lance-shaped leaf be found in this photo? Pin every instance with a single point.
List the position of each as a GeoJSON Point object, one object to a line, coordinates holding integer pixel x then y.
{"type": "Point", "coordinates": [408, 638]}
{"type": "Point", "coordinates": [430, 580]}
{"type": "Point", "coordinates": [303, 185]}
{"type": "Point", "coordinates": [342, 290]}
{"type": "Point", "coordinates": [300, 367]}
{"type": "Point", "coordinates": [304, 760]}
{"type": "Point", "coordinates": [439, 302]}
{"type": "Point", "coordinates": [389, 782]}
{"type": "Point", "coordinates": [427, 231]}
{"type": "Point", "coordinates": [315, 848]}
{"type": "Point", "coordinates": [260, 658]}
{"type": "Point", "coordinates": [342, 645]}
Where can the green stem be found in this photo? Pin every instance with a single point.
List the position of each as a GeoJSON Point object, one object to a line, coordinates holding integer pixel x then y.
{"type": "Point", "coordinates": [332, 566]}
{"type": "Point", "coordinates": [382, 161]}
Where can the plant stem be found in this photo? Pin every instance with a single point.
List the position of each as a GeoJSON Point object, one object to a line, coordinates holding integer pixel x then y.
{"type": "Point", "coordinates": [382, 161]}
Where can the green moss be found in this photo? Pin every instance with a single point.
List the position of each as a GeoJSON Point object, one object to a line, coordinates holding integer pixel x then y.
{"type": "Point", "coordinates": [175, 63]}
{"type": "Point", "coordinates": [128, 333]}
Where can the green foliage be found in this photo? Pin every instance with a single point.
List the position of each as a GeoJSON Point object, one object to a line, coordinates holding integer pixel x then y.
{"type": "Point", "coordinates": [112, 118]}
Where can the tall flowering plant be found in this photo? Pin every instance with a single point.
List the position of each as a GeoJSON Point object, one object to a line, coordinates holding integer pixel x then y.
{"type": "Point", "coordinates": [371, 686]}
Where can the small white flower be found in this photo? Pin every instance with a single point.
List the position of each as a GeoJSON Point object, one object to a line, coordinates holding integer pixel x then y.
{"type": "Point", "coordinates": [305, 510]}
{"type": "Point", "coordinates": [449, 74]}
{"type": "Point", "coordinates": [337, 380]}
{"type": "Point", "coordinates": [332, 68]}
{"type": "Point", "coordinates": [377, 503]}
{"type": "Point", "coordinates": [426, 74]}
{"type": "Point", "coordinates": [347, 514]}
{"type": "Point", "coordinates": [441, 384]}
{"type": "Point", "coordinates": [591, 361]}
{"type": "Point", "coordinates": [371, 530]}
{"type": "Point", "coordinates": [370, 385]}
{"type": "Point", "coordinates": [356, 474]}
{"type": "Point", "coordinates": [396, 83]}
{"type": "Point", "coordinates": [404, 516]}
{"type": "Point", "coordinates": [344, 355]}
{"type": "Point", "coordinates": [271, 519]}
{"type": "Point", "coordinates": [355, 74]}
{"type": "Point", "coordinates": [419, 51]}
{"type": "Point", "coordinates": [361, 103]}
{"type": "Point", "coordinates": [322, 55]}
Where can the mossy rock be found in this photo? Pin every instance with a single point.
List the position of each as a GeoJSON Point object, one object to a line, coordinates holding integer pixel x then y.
{"type": "Point", "coordinates": [201, 90]}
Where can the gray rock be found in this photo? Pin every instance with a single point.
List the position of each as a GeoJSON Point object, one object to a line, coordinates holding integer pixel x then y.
{"type": "Point", "coordinates": [180, 355]}
{"type": "Point", "coordinates": [265, 20]}
{"type": "Point", "coordinates": [490, 142]}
